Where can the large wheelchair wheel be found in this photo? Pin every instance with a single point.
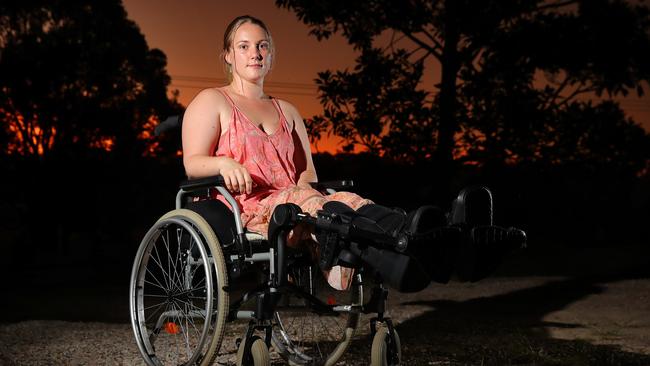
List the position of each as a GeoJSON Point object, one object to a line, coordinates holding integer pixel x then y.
{"type": "Point", "coordinates": [304, 335]}
{"type": "Point", "coordinates": [178, 304]}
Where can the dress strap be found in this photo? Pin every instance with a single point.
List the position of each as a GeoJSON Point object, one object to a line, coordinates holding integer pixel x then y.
{"type": "Point", "coordinates": [232, 102]}
{"type": "Point", "coordinates": [277, 106]}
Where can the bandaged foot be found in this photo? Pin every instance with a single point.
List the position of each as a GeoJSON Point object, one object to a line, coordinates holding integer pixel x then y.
{"type": "Point", "coordinates": [339, 277]}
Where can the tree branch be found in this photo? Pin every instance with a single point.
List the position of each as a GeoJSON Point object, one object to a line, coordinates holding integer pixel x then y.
{"type": "Point", "coordinates": [392, 42]}
{"type": "Point", "coordinates": [577, 92]}
{"type": "Point", "coordinates": [474, 54]}
{"type": "Point", "coordinates": [426, 54]}
{"type": "Point", "coordinates": [555, 5]}
{"type": "Point", "coordinates": [433, 39]}
{"type": "Point", "coordinates": [557, 93]}
{"type": "Point", "coordinates": [424, 45]}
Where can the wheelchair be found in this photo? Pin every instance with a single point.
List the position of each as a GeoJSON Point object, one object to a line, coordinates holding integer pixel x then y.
{"type": "Point", "coordinates": [187, 285]}
{"type": "Point", "coordinates": [198, 271]}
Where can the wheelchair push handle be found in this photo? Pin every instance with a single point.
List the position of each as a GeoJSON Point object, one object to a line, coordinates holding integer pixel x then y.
{"type": "Point", "coordinates": [170, 123]}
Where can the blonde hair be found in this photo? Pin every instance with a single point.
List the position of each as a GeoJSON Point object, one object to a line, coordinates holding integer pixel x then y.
{"type": "Point", "coordinates": [229, 37]}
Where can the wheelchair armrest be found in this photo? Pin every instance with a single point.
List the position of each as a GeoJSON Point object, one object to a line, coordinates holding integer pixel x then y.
{"type": "Point", "coordinates": [336, 185]}
{"type": "Point", "coordinates": [202, 183]}
{"type": "Point", "coordinates": [217, 180]}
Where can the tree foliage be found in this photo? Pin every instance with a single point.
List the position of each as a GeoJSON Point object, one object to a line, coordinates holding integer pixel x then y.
{"type": "Point", "coordinates": [78, 76]}
{"type": "Point", "coordinates": [376, 120]}
{"type": "Point", "coordinates": [517, 78]}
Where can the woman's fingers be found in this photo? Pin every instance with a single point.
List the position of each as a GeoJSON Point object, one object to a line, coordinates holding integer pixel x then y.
{"type": "Point", "coordinates": [240, 184]}
{"type": "Point", "coordinates": [238, 180]}
{"type": "Point", "coordinates": [227, 181]}
{"type": "Point", "coordinates": [249, 182]}
{"type": "Point", "coordinates": [231, 180]}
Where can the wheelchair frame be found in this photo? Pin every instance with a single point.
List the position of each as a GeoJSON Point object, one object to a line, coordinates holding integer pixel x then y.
{"type": "Point", "coordinates": [184, 284]}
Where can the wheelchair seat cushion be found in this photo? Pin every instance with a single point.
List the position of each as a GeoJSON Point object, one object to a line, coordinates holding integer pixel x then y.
{"type": "Point", "coordinates": [253, 236]}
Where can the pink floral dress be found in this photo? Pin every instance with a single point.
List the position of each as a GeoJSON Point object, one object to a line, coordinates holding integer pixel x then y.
{"type": "Point", "coordinates": [269, 160]}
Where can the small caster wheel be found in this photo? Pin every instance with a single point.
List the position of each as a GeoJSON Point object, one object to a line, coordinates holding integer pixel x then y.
{"type": "Point", "coordinates": [255, 355]}
{"type": "Point", "coordinates": [386, 348]}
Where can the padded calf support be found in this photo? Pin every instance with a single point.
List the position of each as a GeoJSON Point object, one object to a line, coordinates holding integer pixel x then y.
{"type": "Point", "coordinates": [400, 271]}
{"type": "Point", "coordinates": [430, 240]}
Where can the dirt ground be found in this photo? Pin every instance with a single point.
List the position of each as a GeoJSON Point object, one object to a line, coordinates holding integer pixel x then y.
{"type": "Point", "coordinates": [553, 307]}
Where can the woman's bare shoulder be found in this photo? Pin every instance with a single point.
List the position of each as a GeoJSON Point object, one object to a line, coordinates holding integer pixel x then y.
{"type": "Point", "coordinates": [286, 106]}
{"type": "Point", "coordinates": [210, 99]}
{"type": "Point", "coordinates": [289, 110]}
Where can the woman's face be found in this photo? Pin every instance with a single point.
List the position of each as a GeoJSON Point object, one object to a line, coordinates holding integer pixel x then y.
{"type": "Point", "coordinates": [250, 55]}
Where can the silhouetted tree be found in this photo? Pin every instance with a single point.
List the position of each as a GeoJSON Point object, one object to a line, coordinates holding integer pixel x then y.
{"type": "Point", "coordinates": [361, 116]}
{"type": "Point", "coordinates": [531, 98]}
{"type": "Point", "coordinates": [78, 76]}
{"type": "Point", "coordinates": [513, 75]}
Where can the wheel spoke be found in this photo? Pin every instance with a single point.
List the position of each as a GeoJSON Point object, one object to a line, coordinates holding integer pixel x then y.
{"type": "Point", "coordinates": [184, 329]}
{"type": "Point", "coordinates": [179, 272]}
{"type": "Point", "coordinates": [176, 320]}
{"type": "Point", "coordinates": [194, 306]}
{"type": "Point", "coordinates": [157, 311]}
{"type": "Point", "coordinates": [329, 330]}
{"type": "Point", "coordinates": [169, 269]}
{"type": "Point", "coordinates": [307, 335]}
{"type": "Point", "coordinates": [190, 319]}
{"type": "Point", "coordinates": [159, 262]}
{"type": "Point", "coordinates": [156, 305]}
{"type": "Point", "coordinates": [196, 268]}
{"type": "Point", "coordinates": [173, 275]}
{"type": "Point", "coordinates": [159, 285]}
{"type": "Point", "coordinates": [171, 266]}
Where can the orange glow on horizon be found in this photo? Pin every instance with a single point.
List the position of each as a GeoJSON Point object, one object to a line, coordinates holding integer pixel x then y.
{"type": "Point", "coordinates": [104, 143]}
{"type": "Point", "coordinates": [28, 137]}
{"type": "Point", "coordinates": [148, 135]}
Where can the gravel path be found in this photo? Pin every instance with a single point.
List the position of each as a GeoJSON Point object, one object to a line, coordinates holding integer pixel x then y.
{"type": "Point", "coordinates": [495, 321]}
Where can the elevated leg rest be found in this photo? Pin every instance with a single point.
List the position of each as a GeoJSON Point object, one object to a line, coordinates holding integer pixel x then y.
{"type": "Point", "coordinates": [483, 245]}
{"type": "Point", "coordinates": [346, 237]}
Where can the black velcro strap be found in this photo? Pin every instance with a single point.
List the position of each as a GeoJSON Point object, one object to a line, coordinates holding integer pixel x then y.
{"type": "Point", "coordinates": [336, 185]}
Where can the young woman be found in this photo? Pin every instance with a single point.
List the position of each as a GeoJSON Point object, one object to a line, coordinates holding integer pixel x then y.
{"type": "Point", "coordinates": [259, 144]}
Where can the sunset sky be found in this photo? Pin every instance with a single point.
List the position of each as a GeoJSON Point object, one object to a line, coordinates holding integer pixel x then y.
{"type": "Point", "coordinates": [190, 33]}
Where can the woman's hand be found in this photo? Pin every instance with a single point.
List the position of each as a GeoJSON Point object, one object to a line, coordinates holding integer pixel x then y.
{"type": "Point", "coordinates": [236, 176]}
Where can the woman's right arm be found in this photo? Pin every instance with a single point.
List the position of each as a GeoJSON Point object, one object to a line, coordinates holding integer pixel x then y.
{"type": "Point", "coordinates": [201, 132]}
